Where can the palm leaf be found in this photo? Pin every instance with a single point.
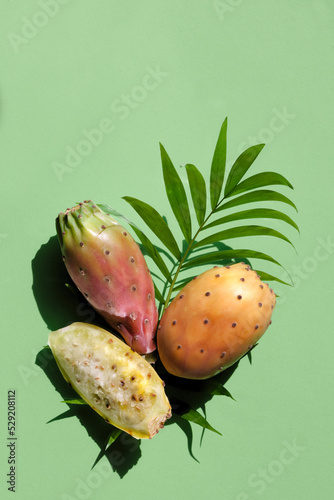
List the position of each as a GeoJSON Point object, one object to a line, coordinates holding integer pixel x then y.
{"type": "Point", "coordinates": [269, 277]}
{"type": "Point", "coordinates": [240, 167]}
{"type": "Point", "coordinates": [194, 416]}
{"type": "Point", "coordinates": [112, 211]}
{"type": "Point", "coordinates": [153, 253]}
{"type": "Point", "coordinates": [255, 213]}
{"type": "Point", "coordinates": [158, 295]}
{"type": "Point", "coordinates": [259, 180]}
{"type": "Point", "coordinates": [234, 185]}
{"type": "Point", "coordinates": [182, 283]}
{"type": "Point", "coordinates": [240, 232]}
{"type": "Point", "coordinates": [212, 257]}
{"type": "Point", "coordinates": [254, 196]}
{"type": "Point", "coordinates": [77, 401]}
{"type": "Point", "coordinates": [112, 437]}
{"type": "Point", "coordinates": [218, 166]}
{"type": "Point", "coordinates": [214, 387]}
{"type": "Point", "coordinates": [263, 275]}
{"type": "Point", "coordinates": [156, 223]}
{"type": "Point", "coordinates": [176, 194]}
{"type": "Point", "coordinates": [198, 191]}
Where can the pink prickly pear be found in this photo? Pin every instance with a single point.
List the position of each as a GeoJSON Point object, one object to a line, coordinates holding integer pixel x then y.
{"type": "Point", "coordinates": [213, 321]}
{"type": "Point", "coordinates": [107, 266]}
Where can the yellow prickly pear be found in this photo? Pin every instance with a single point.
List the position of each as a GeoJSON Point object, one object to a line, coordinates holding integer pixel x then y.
{"type": "Point", "coordinates": [115, 381]}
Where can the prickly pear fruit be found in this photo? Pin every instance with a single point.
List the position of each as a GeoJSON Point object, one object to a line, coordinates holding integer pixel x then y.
{"type": "Point", "coordinates": [213, 321]}
{"type": "Point", "coordinates": [107, 266]}
{"type": "Point", "coordinates": [115, 381]}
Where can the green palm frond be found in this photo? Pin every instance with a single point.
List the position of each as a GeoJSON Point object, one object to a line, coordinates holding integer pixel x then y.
{"type": "Point", "coordinates": [237, 191]}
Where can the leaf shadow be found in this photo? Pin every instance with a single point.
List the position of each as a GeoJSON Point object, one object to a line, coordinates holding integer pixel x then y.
{"type": "Point", "coordinates": [123, 454]}
{"type": "Point", "coordinates": [194, 393]}
{"type": "Point", "coordinates": [59, 301]}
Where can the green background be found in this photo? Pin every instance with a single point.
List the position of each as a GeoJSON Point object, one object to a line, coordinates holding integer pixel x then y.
{"type": "Point", "coordinates": [179, 68]}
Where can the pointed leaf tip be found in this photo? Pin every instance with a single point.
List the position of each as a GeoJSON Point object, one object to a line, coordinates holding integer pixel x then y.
{"type": "Point", "coordinates": [195, 417]}
{"type": "Point", "coordinates": [77, 401]}
{"type": "Point", "coordinates": [241, 166]}
{"type": "Point", "coordinates": [218, 166]}
{"type": "Point", "coordinates": [112, 437]}
{"type": "Point", "coordinates": [259, 180]}
{"type": "Point", "coordinates": [156, 223]}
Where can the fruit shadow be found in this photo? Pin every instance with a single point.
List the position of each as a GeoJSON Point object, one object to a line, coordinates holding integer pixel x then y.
{"type": "Point", "coordinates": [57, 298]}
{"type": "Point", "coordinates": [60, 304]}
{"type": "Point", "coordinates": [123, 454]}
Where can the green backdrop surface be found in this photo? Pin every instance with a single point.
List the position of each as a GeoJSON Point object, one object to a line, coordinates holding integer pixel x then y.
{"type": "Point", "coordinates": [88, 90]}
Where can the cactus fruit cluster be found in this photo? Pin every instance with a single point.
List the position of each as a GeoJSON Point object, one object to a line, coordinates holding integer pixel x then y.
{"type": "Point", "coordinates": [213, 321]}
{"type": "Point", "coordinates": [114, 380]}
{"type": "Point", "coordinates": [210, 324]}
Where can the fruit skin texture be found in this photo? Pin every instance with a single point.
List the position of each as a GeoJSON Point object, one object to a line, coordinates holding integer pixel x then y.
{"type": "Point", "coordinates": [115, 381]}
{"type": "Point", "coordinates": [213, 321]}
{"type": "Point", "coordinates": [107, 266]}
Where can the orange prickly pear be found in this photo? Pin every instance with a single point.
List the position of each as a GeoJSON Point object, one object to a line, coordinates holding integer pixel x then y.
{"type": "Point", "coordinates": [213, 321]}
{"type": "Point", "coordinates": [108, 267]}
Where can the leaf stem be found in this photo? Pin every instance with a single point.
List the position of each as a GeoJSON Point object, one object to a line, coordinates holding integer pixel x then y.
{"type": "Point", "coordinates": [186, 253]}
